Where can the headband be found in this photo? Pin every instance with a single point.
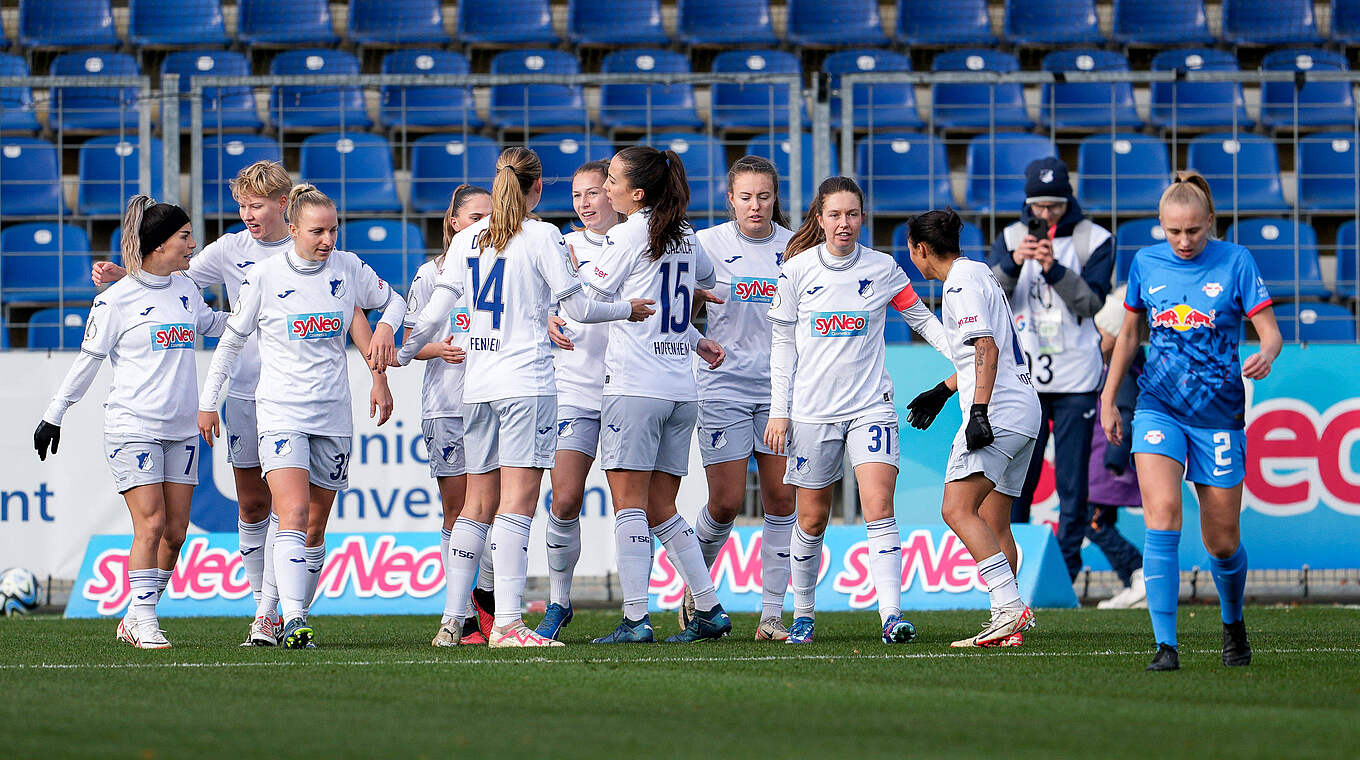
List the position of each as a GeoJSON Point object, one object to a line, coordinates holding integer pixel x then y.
{"type": "Point", "coordinates": [159, 223]}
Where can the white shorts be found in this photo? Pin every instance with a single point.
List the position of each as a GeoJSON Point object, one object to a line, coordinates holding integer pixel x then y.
{"type": "Point", "coordinates": [238, 415]}
{"type": "Point", "coordinates": [444, 444]}
{"type": "Point", "coordinates": [732, 430]}
{"type": "Point", "coordinates": [144, 463]}
{"type": "Point", "coordinates": [578, 430]}
{"type": "Point", "coordinates": [647, 434]}
{"type": "Point", "coordinates": [512, 432]}
{"type": "Point", "coordinates": [324, 457]}
{"type": "Point", "coordinates": [817, 450]}
{"type": "Point", "coordinates": [1004, 461]}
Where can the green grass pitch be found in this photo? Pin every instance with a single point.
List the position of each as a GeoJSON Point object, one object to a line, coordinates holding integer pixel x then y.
{"type": "Point", "coordinates": [375, 688]}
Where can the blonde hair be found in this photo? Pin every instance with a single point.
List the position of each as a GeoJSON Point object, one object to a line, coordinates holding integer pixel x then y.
{"type": "Point", "coordinates": [811, 234]}
{"type": "Point", "coordinates": [1188, 188]}
{"type": "Point", "coordinates": [305, 195]}
{"type": "Point", "coordinates": [131, 244]}
{"type": "Point", "coordinates": [265, 179]}
{"type": "Point", "coordinates": [517, 169]}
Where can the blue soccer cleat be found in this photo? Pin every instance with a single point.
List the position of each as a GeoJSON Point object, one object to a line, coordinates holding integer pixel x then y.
{"type": "Point", "coordinates": [297, 634]}
{"type": "Point", "coordinates": [630, 632]}
{"type": "Point", "coordinates": [898, 631]}
{"type": "Point", "coordinates": [801, 631]}
{"type": "Point", "coordinates": [712, 624]}
{"type": "Point", "coordinates": [553, 622]}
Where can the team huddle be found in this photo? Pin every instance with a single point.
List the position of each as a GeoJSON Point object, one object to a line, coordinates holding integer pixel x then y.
{"type": "Point", "coordinates": [545, 352]}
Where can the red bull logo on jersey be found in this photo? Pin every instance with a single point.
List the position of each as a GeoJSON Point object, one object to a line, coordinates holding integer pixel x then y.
{"type": "Point", "coordinates": [325, 324]}
{"type": "Point", "coordinates": [460, 321]}
{"type": "Point", "coordinates": [840, 324]}
{"type": "Point", "coordinates": [753, 289]}
{"type": "Point", "coordinates": [1182, 317]}
{"type": "Point", "coordinates": [166, 337]}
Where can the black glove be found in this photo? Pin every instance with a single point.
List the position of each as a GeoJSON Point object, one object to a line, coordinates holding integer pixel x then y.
{"type": "Point", "coordinates": [979, 430]}
{"type": "Point", "coordinates": [47, 435]}
{"type": "Point", "coordinates": [923, 409]}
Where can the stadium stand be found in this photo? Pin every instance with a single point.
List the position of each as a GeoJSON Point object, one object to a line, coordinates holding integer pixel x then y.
{"type": "Point", "coordinates": [1315, 322]}
{"type": "Point", "coordinates": [1123, 171]}
{"type": "Point", "coordinates": [227, 108]}
{"type": "Point", "coordinates": [996, 170]}
{"type": "Point", "coordinates": [57, 328]}
{"type": "Point", "coordinates": [615, 22]}
{"type": "Point", "coordinates": [440, 163]}
{"type": "Point", "coordinates": [313, 107]}
{"type": "Point", "coordinates": [1345, 21]}
{"type": "Point", "coordinates": [844, 22]}
{"type": "Point", "coordinates": [396, 22]}
{"type": "Point", "coordinates": [394, 249]}
{"type": "Point", "coordinates": [354, 169]}
{"type": "Point", "coordinates": [44, 263]}
{"type": "Point", "coordinates": [66, 24]}
{"type": "Point", "coordinates": [776, 147]}
{"type": "Point", "coordinates": [176, 23]}
{"type": "Point", "coordinates": [94, 108]}
{"type": "Point", "coordinates": [537, 106]}
{"type": "Point", "coordinates": [903, 172]}
{"type": "Point", "coordinates": [1347, 267]}
{"type": "Point", "coordinates": [225, 156]}
{"type": "Point", "coordinates": [1269, 22]}
{"type": "Point", "coordinates": [427, 107]}
{"type": "Point", "coordinates": [1087, 105]}
{"type": "Point", "coordinates": [1131, 236]}
{"type": "Point", "coordinates": [1138, 22]}
{"type": "Point", "coordinates": [561, 154]}
{"type": "Point", "coordinates": [705, 167]}
{"type": "Point", "coordinates": [972, 242]}
{"type": "Point", "coordinates": [942, 23]}
{"type": "Point", "coordinates": [1320, 104]}
{"type": "Point", "coordinates": [756, 106]}
{"type": "Point", "coordinates": [1052, 22]}
{"type": "Point", "coordinates": [1271, 241]}
{"type": "Point", "coordinates": [16, 103]}
{"type": "Point", "coordinates": [1326, 166]}
{"type": "Point", "coordinates": [108, 174]}
{"type": "Point", "coordinates": [296, 22]}
{"type": "Point", "coordinates": [30, 178]}
{"type": "Point", "coordinates": [724, 22]}
{"type": "Point", "coordinates": [976, 106]}
{"type": "Point", "coordinates": [639, 106]}
{"type": "Point", "coordinates": [884, 105]}
{"type": "Point", "coordinates": [1197, 104]}
{"type": "Point", "coordinates": [1243, 171]}
{"type": "Point", "coordinates": [508, 22]}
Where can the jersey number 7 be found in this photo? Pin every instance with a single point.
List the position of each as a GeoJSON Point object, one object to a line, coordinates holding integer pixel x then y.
{"type": "Point", "coordinates": [488, 292]}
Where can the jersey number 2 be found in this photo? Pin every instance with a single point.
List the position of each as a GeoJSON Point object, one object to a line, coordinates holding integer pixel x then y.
{"type": "Point", "coordinates": [669, 323]}
{"type": "Point", "coordinates": [488, 293]}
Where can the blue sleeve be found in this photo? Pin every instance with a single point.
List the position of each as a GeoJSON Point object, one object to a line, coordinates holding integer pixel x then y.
{"type": "Point", "coordinates": [1252, 294]}
{"type": "Point", "coordinates": [1001, 255]}
{"type": "Point", "coordinates": [1133, 297]}
{"type": "Point", "coordinates": [1099, 269]}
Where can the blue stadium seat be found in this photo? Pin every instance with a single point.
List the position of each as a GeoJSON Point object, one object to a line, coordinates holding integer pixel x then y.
{"type": "Point", "coordinates": [978, 106]}
{"type": "Point", "coordinates": [1197, 104]}
{"type": "Point", "coordinates": [506, 22]}
{"type": "Point", "coordinates": [45, 262]}
{"type": "Point", "coordinates": [98, 109]}
{"type": "Point", "coordinates": [427, 106]}
{"type": "Point", "coordinates": [1124, 172]}
{"type": "Point", "coordinates": [1271, 241]}
{"type": "Point", "coordinates": [724, 22]}
{"type": "Point", "coordinates": [1326, 171]}
{"type": "Point", "coordinates": [223, 107]}
{"type": "Point", "coordinates": [223, 157]}
{"type": "Point", "coordinates": [317, 107]}
{"type": "Point", "coordinates": [706, 168]}
{"type": "Point", "coordinates": [1142, 23]}
{"type": "Point", "coordinates": [902, 172]}
{"type": "Point", "coordinates": [396, 22]}
{"type": "Point", "coordinates": [1269, 22]}
{"type": "Point", "coordinates": [353, 169]}
{"type": "Point", "coordinates": [895, 328]}
{"type": "Point", "coordinates": [996, 184]}
{"type": "Point", "coordinates": [758, 106]}
{"type": "Point", "coordinates": [1257, 169]}
{"type": "Point", "coordinates": [1131, 236]}
{"type": "Point", "coordinates": [176, 23]}
{"type": "Point", "coordinates": [776, 147]}
{"type": "Point", "coordinates": [844, 22]}
{"type": "Point", "coordinates": [972, 243]}
{"type": "Point", "coordinates": [885, 105]}
{"type": "Point", "coordinates": [62, 329]}
{"type": "Point", "coordinates": [615, 22]}
{"type": "Point", "coordinates": [561, 154]}
{"type": "Point", "coordinates": [394, 250]}
{"type": "Point", "coordinates": [1347, 262]}
{"type": "Point", "coordinates": [1346, 21]}
{"type": "Point", "coordinates": [1052, 22]}
{"type": "Point", "coordinates": [16, 103]}
{"type": "Point", "coordinates": [944, 22]}
{"type": "Point", "coordinates": [1315, 322]}
{"type": "Point", "coordinates": [30, 178]}
{"type": "Point", "coordinates": [1321, 104]}
{"type": "Point", "coordinates": [1081, 105]}
{"type": "Point", "coordinates": [625, 106]}
{"type": "Point", "coordinates": [537, 106]}
{"type": "Point", "coordinates": [66, 23]}
{"type": "Point", "coordinates": [109, 175]}
{"type": "Point", "coordinates": [440, 163]}
{"type": "Point", "coordinates": [296, 22]}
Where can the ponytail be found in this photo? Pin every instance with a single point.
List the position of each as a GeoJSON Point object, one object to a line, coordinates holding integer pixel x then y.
{"type": "Point", "coordinates": [757, 165]}
{"type": "Point", "coordinates": [665, 189]}
{"type": "Point", "coordinates": [146, 226]}
{"type": "Point", "coordinates": [306, 195]}
{"type": "Point", "coordinates": [811, 235]}
{"type": "Point", "coordinates": [132, 225]}
{"type": "Point", "coordinates": [517, 169]}
{"type": "Point", "coordinates": [1188, 188]}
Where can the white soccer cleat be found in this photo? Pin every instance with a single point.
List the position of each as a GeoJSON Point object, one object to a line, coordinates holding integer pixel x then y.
{"type": "Point", "coordinates": [1002, 625]}
{"type": "Point", "coordinates": [127, 630]}
{"type": "Point", "coordinates": [772, 629]}
{"type": "Point", "coordinates": [1133, 596]}
{"type": "Point", "coordinates": [519, 635]}
{"type": "Point", "coordinates": [450, 635]}
{"type": "Point", "coordinates": [262, 633]}
{"type": "Point", "coordinates": [153, 639]}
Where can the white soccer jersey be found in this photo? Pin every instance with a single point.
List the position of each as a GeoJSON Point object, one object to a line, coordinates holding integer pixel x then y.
{"type": "Point", "coordinates": [580, 372]}
{"type": "Point", "coordinates": [975, 306]}
{"type": "Point", "coordinates": [651, 358]}
{"type": "Point", "coordinates": [441, 390]}
{"type": "Point", "coordinates": [227, 261]}
{"type": "Point", "coordinates": [747, 270]}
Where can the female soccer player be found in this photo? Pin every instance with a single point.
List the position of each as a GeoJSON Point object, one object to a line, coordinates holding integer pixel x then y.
{"type": "Point", "coordinates": [145, 326]}
{"type": "Point", "coordinates": [991, 452]}
{"type": "Point", "coordinates": [301, 302]}
{"type": "Point", "coordinates": [1188, 425]}
{"type": "Point", "coordinates": [511, 268]}
{"type": "Point", "coordinates": [827, 375]}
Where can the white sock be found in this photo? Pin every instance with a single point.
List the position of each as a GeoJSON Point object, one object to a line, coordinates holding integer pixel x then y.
{"type": "Point", "coordinates": [510, 544]}
{"type": "Point", "coordinates": [268, 606]}
{"type": "Point", "coordinates": [564, 550]}
{"type": "Point", "coordinates": [144, 597]}
{"type": "Point", "coordinates": [885, 565]}
{"type": "Point", "coordinates": [486, 569]}
{"type": "Point", "coordinates": [712, 535]}
{"type": "Point", "coordinates": [774, 563]}
{"type": "Point", "coordinates": [290, 568]}
{"type": "Point", "coordinates": [316, 562]}
{"type": "Point", "coordinates": [467, 540]}
{"type": "Point", "coordinates": [683, 549]}
{"type": "Point", "coordinates": [251, 537]}
{"type": "Point", "coordinates": [1001, 587]}
{"type": "Point", "coordinates": [444, 534]}
{"type": "Point", "coordinates": [805, 554]}
{"type": "Point", "coordinates": [633, 549]}
{"type": "Point", "coordinates": [162, 580]}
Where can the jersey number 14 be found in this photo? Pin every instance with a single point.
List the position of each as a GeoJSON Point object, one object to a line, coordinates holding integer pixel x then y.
{"type": "Point", "coordinates": [487, 293]}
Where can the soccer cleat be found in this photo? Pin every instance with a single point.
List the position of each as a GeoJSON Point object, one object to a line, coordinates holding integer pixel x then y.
{"type": "Point", "coordinates": [519, 635]}
{"type": "Point", "coordinates": [710, 624]}
{"type": "Point", "coordinates": [686, 611]}
{"type": "Point", "coordinates": [630, 632]}
{"type": "Point", "coordinates": [1002, 625]}
{"type": "Point", "coordinates": [898, 631]}
{"type": "Point", "coordinates": [556, 618]}
{"type": "Point", "coordinates": [1133, 596]}
{"type": "Point", "coordinates": [450, 635]}
{"type": "Point", "coordinates": [1236, 650]}
{"type": "Point", "coordinates": [472, 634]}
{"type": "Point", "coordinates": [127, 630]}
{"type": "Point", "coordinates": [154, 639]}
{"type": "Point", "coordinates": [297, 634]}
{"type": "Point", "coordinates": [484, 602]}
{"type": "Point", "coordinates": [772, 629]}
{"type": "Point", "coordinates": [1165, 659]}
{"type": "Point", "coordinates": [801, 631]}
{"type": "Point", "coordinates": [262, 633]}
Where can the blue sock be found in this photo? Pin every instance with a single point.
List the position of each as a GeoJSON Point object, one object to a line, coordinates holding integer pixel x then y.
{"type": "Point", "coordinates": [1162, 574]}
{"type": "Point", "coordinates": [1230, 576]}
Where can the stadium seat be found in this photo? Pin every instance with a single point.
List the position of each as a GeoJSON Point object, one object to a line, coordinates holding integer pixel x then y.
{"type": "Point", "coordinates": [537, 106]}
{"type": "Point", "coordinates": [440, 163]}
{"type": "Point", "coordinates": [97, 108]}
{"type": "Point", "coordinates": [108, 172]}
{"type": "Point", "coordinates": [639, 106]}
{"type": "Point", "coordinates": [1052, 22]}
{"type": "Point", "coordinates": [30, 178]}
{"type": "Point", "coordinates": [507, 22]}
{"type": "Point", "coordinates": [16, 103]}
{"type": "Point", "coordinates": [66, 23]}
{"type": "Point", "coordinates": [1271, 241]}
{"type": "Point", "coordinates": [724, 22]}
{"type": "Point", "coordinates": [223, 107]}
{"type": "Point", "coordinates": [1269, 22]}
{"type": "Point", "coordinates": [1139, 22]}
{"type": "Point", "coordinates": [1081, 105]}
{"type": "Point", "coordinates": [844, 22]}
{"type": "Point", "coordinates": [705, 167]}
{"type": "Point", "coordinates": [615, 22]}
{"type": "Point", "coordinates": [1320, 104]}
{"type": "Point", "coordinates": [972, 243]}
{"type": "Point", "coordinates": [776, 147]}
{"type": "Point", "coordinates": [561, 154]}
{"type": "Point", "coordinates": [396, 22]}
{"type": "Point", "coordinates": [45, 262]}
{"type": "Point", "coordinates": [996, 184]}
{"type": "Point", "coordinates": [427, 106]}
{"type": "Point", "coordinates": [1346, 21]}
{"type": "Point", "coordinates": [1327, 171]}
{"type": "Point", "coordinates": [884, 105]}
{"type": "Point", "coordinates": [1197, 104]}
{"type": "Point", "coordinates": [1123, 172]}
{"type": "Point", "coordinates": [1347, 262]}
{"type": "Point", "coordinates": [312, 106]}
{"type": "Point", "coordinates": [1315, 322]}
{"type": "Point", "coordinates": [62, 328]}
{"type": "Point", "coordinates": [1131, 236]}
{"type": "Point", "coordinates": [902, 172]}
{"type": "Point", "coordinates": [296, 22]}
{"type": "Point", "coordinates": [223, 157]}
{"type": "Point", "coordinates": [758, 106]}
{"type": "Point", "coordinates": [941, 23]}
{"type": "Point", "coordinates": [353, 169]}
{"type": "Point", "coordinates": [978, 106]}
{"type": "Point", "coordinates": [1251, 159]}
{"type": "Point", "coordinates": [394, 250]}
{"type": "Point", "coordinates": [176, 23]}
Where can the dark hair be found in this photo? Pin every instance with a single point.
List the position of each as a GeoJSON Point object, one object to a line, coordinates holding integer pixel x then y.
{"type": "Point", "coordinates": [938, 230]}
{"type": "Point", "coordinates": [461, 195]}
{"type": "Point", "coordinates": [757, 165]}
{"type": "Point", "coordinates": [147, 225]}
{"type": "Point", "coordinates": [665, 188]}
{"type": "Point", "coordinates": [810, 235]}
